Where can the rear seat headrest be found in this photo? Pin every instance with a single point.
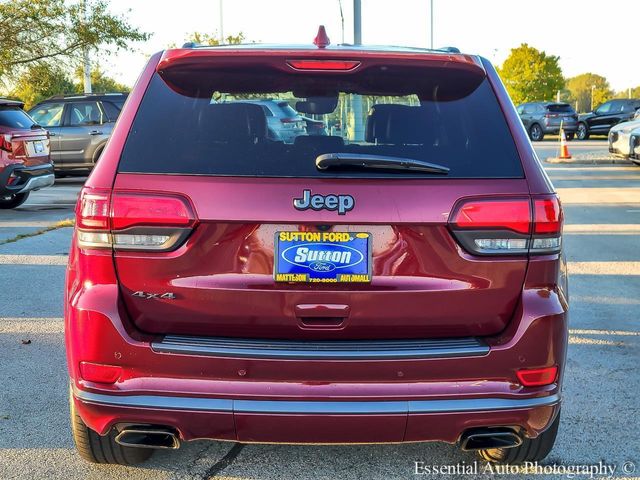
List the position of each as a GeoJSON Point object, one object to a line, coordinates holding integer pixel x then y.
{"type": "Point", "coordinates": [397, 124]}
{"type": "Point", "coordinates": [234, 122]}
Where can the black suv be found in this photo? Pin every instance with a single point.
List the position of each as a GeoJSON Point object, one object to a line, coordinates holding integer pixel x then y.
{"type": "Point", "coordinates": [79, 126]}
{"type": "Point", "coordinates": [540, 118]}
{"type": "Point", "coordinates": [610, 113]}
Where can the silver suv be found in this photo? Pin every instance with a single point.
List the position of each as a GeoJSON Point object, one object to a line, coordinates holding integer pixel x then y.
{"type": "Point", "coordinates": [283, 122]}
{"type": "Point", "coordinates": [79, 126]}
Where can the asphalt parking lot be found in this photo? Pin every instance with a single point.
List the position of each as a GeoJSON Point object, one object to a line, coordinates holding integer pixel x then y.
{"type": "Point", "coordinates": [601, 410]}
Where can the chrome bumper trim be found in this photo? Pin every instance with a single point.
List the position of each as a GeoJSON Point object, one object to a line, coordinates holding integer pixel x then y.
{"type": "Point", "coordinates": [36, 183]}
{"type": "Point", "coordinates": [313, 407]}
{"type": "Point", "coordinates": [322, 350]}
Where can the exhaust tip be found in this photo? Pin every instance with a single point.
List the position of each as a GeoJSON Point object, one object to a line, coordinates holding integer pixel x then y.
{"type": "Point", "coordinates": [146, 437]}
{"type": "Point", "coordinates": [488, 438]}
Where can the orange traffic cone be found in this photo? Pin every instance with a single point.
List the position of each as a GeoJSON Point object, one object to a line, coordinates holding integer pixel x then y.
{"type": "Point", "coordinates": [564, 150]}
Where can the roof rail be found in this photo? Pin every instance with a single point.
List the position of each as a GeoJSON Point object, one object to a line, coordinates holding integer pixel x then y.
{"type": "Point", "coordinates": [81, 95]}
{"type": "Point", "coordinates": [448, 49]}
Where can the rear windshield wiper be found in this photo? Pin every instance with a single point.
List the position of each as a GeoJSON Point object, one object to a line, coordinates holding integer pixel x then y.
{"type": "Point", "coordinates": [380, 162]}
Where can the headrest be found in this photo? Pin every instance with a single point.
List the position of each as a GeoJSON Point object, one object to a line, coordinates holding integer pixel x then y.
{"type": "Point", "coordinates": [319, 141]}
{"type": "Point", "coordinates": [397, 124]}
{"type": "Point", "coordinates": [234, 122]}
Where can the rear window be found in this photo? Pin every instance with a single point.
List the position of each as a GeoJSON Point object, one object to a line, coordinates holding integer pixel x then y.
{"type": "Point", "coordinates": [560, 108]}
{"type": "Point", "coordinates": [15, 117]}
{"type": "Point", "coordinates": [215, 124]}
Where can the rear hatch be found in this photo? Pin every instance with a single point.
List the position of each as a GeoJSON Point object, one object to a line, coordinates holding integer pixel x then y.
{"type": "Point", "coordinates": [228, 193]}
{"type": "Point", "coordinates": [23, 141]}
{"type": "Point", "coordinates": [561, 112]}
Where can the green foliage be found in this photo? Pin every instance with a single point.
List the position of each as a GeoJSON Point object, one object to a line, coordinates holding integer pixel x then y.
{"type": "Point", "coordinates": [579, 89]}
{"type": "Point", "coordinates": [635, 93]}
{"type": "Point", "coordinates": [206, 39]}
{"type": "Point", "coordinates": [39, 81]}
{"type": "Point", "coordinates": [100, 83]}
{"type": "Point", "coordinates": [531, 75]}
{"type": "Point", "coordinates": [36, 31]}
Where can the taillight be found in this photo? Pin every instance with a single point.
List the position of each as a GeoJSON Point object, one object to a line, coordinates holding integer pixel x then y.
{"type": "Point", "coordinates": [319, 65]}
{"type": "Point", "coordinates": [547, 226]}
{"type": "Point", "coordinates": [508, 226]}
{"type": "Point", "coordinates": [133, 220]}
{"type": "Point", "coordinates": [537, 377]}
{"type": "Point", "coordinates": [5, 143]}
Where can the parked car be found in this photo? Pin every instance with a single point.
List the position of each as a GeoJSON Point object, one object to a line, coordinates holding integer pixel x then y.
{"type": "Point", "coordinates": [610, 113]}
{"type": "Point", "coordinates": [405, 286]}
{"type": "Point", "coordinates": [540, 118]}
{"type": "Point", "coordinates": [25, 165]}
{"type": "Point", "coordinates": [620, 136]}
{"type": "Point", "coordinates": [283, 122]}
{"type": "Point", "coordinates": [79, 126]}
{"type": "Point", "coordinates": [634, 146]}
{"type": "Point", "coordinates": [314, 127]}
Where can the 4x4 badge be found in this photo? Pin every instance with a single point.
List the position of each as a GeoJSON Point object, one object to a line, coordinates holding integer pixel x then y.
{"type": "Point", "coordinates": [341, 203]}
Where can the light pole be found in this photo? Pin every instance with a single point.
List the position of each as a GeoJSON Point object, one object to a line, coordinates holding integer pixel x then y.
{"type": "Point", "coordinates": [86, 61]}
{"type": "Point", "coordinates": [356, 100]}
{"type": "Point", "coordinates": [431, 30]}
{"type": "Point", "coordinates": [221, 24]}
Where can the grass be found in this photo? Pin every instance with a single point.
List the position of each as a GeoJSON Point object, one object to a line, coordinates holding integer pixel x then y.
{"type": "Point", "coordinates": [69, 222]}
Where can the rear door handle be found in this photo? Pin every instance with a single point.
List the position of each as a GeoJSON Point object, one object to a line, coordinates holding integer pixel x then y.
{"type": "Point", "coordinates": [321, 310]}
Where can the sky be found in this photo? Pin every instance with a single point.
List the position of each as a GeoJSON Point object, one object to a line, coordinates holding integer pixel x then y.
{"type": "Point", "coordinates": [587, 35]}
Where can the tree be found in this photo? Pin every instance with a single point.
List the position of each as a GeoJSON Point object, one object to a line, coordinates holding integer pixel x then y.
{"type": "Point", "coordinates": [39, 81]}
{"type": "Point", "coordinates": [99, 82]}
{"type": "Point", "coordinates": [201, 38]}
{"type": "Point", "coordinates": [36, 31]}
{"type": "Point", "coordinates": [580, 88]}
{"type": "Point", "coordinates": [635, 93]}
{"type": "Point", "coordinates": [531, 75]}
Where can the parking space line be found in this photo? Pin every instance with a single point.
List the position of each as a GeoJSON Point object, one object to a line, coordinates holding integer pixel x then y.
{"type": "Point", "coordinates": [600, 196]}
{"type": "Point", "coordinates": [603, 228]}
{"type": "Point", "coordinates": [33, 259]}
{"type": "Point", "coordinates": [604, 268]}
{"type": "Point", "coordinates": [580, 331]}
{"type": "Point", "coordinates": [12, 325]}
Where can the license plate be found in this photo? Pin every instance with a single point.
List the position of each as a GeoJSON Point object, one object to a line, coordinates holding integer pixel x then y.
{"type": "Point", "coordinates": [323, 257]}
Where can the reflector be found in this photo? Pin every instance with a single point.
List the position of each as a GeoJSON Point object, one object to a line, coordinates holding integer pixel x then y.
{"type": "Point", "coordinates": [537, 377]}
{"type": "Point", "coordinates": [96, 372]}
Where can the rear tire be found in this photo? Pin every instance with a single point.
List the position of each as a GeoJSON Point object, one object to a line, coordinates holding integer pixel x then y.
{"type": "Point", "coordinates": [13, 201]}
{"type": "Point", "coordinates": [583, 132]}
{"type": "Point", "coordinates": [531, 449]}
{"type": "Point", "coordinates": [96, 448]}
{"type": "Point", "coordinates": [535, 133]}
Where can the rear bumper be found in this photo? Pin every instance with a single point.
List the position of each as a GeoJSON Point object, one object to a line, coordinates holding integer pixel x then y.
{"type": "Point", "coordinates": [26, 178]}
{"type": "Point", "coordinates": [319, 421]}
{"type": "Point", "coordinates": [555, 129]}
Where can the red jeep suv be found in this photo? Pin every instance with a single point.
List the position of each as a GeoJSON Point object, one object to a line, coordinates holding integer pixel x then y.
{"type": "Point", "coordinates": [398, 280]}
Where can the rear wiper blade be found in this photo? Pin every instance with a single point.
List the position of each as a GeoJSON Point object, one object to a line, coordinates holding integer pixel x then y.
{"type": "Point", "coordinates": [382, 162]}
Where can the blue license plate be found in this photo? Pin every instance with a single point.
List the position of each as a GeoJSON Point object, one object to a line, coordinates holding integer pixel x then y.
{"type": "Point", "coordinates": [326, 257]}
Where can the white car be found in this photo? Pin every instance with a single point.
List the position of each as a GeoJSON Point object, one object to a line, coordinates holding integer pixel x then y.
{"type": "Point", "coordinates": [620, 136]}
{"type": "Point", "coordinates": [634, 146]}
